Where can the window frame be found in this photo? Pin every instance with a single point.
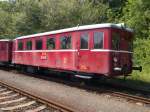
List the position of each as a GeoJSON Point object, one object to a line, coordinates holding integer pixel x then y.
{"type": "Point", "coordinates": [36, 44]}
{"type": "Point", "coordinates": [119, 39]}
{"type": "Point", "coordinates": [87, 41]}
{"type": "Point", "coordinates": [54, 38]}
{"type": "Point", "coordinates": [27, 45]}
{"type": "Point", "coordinates": [18, 48]}
{"type": "Point", "coordinates": [102, 39]}
{"type": "Point", "coordinates": [65, 36]}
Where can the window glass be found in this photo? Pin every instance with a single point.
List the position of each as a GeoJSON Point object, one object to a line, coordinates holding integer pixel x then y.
{"type": "Point", "coordinates": [29, 45]}
{"type": "Point", "coordinates": [84, 41]}
{"type": "Point", "coordinates": [130, 46]}
{"type": "Point", "coordinates": [115, 41]}
{"type": "Point", "coordinates": [38, 44]}
{"type": "Point", "coordinates": [51, 43]}
{"type": "Point", "coordinates": [98, 40]}
{"type": "Point", "coordinates": [65, 42]}
{"type": "Point", "coordinates": [20, 45]}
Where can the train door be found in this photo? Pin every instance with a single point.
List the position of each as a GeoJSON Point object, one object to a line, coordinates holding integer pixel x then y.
{"type": "Point", "coordinates": [83, 52]}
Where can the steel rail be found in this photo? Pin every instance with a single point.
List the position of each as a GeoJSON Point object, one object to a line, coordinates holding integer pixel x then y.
{"type": "Point", "coordinates": [47, 102]}
{"type": "Point", "coordinates": [134, 98]}
{"type": "Point", "coordinates": [114, 93]}
{"type": "Point", "coordinates": [130, 97]}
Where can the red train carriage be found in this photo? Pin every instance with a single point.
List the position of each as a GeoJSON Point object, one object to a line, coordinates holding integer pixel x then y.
{"type": "Point", "coordinates": [5, 51]}
{"type": "Point", "coordinates": [100, 49]}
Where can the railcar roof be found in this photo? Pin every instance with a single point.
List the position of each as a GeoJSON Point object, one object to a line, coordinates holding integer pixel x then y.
{"type": "Point", "coordinates": [4, 40]}
{"type": "Point", "coordinates": [78, 28]}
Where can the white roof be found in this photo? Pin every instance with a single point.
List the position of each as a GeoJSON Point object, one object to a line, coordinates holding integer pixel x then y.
{"type": "Point", "coordinates": [85, 27]}
{"type": "Point", "coordinates": [4, 40]}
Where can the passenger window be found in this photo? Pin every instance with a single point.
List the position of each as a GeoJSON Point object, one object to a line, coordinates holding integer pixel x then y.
{"type": "Point", "coordinates": [84, 41]}
{"type": "Point", "coordinates": [65, 42]}
{"type": "Point", "coordinates": [98, 40]}
{"type": "Point", "coordinates": [20, 45]}
{"type": "Point", "coordinates": [115, 41]}
{"type": "Point", "coordinates": [39, 44]}
{"type": "Point", "coordinates": [29, 45]}
{"type": "Point", "coordinates": [51, 43]}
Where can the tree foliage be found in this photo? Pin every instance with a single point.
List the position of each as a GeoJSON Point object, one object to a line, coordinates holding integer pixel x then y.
{"type": "Point", "coordinates": [137, 15]}
{"type": "Point", "coordinates": [33, 16]}
{"type": "Point", "coordinates": [22, 17]}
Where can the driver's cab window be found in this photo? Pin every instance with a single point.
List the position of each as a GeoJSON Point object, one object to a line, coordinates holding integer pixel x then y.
{"type": "Point", "coordinates": [115, 41]}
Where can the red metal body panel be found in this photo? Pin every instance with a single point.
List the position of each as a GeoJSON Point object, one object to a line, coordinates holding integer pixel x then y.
{"type": "Point", "coordinates": [5, 51]}
{"type": "Point", "coordinates": [94, 61]}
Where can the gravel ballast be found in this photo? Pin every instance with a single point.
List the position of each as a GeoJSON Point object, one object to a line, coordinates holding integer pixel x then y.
{"type": "Point", "coordinates": [79, 99]}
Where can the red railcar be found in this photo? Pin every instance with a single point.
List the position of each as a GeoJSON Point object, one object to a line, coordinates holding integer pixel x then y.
{"type": "Point", "coordinates": [5, 51]}
{"type": "Point", "coordinates": [100, 49]}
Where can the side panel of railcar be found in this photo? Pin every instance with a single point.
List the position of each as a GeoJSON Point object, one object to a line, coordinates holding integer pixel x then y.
{"type": "Point", "coordinates": [5, 51]}
{"type": "Point", "coordinates": [44, 53]}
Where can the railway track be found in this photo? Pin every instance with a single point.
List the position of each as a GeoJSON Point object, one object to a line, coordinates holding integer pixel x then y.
{"type": "Point", "coordinates": [116, 93]}
{"type": "Point", "coordinates": [109, 90]}
{"type": "Point", "coordinates": [106, 89]}
{"type": "Point", "coordinates": [129, 97]}
{"type": "Point", "coordinates": [16, 100]}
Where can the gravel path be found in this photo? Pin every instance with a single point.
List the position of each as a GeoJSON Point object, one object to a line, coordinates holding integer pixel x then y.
{"type": "Point", "coordinates": [79, 99]}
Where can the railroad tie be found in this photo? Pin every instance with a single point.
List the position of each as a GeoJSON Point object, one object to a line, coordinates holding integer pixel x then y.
{"type": "Point", "coordinates": [5, 93]}
{"type": "Point", "coordinates": [13, 101]}
{"type": "Point", "coordinates": [9, 96]}
{"type": "Point", "coordinates": [40, 108]}
{"type": "Point", "coordinates": [18, 106]}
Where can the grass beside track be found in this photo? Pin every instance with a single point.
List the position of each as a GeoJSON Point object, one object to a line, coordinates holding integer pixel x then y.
{"type": "Point", "coordinates": [142, 76]}
{"type": "Point", "coordinates": [137, 79]}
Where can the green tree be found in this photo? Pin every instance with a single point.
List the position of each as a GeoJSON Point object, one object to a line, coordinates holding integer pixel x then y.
{"type": "Point", "coordinates": [137, 15]}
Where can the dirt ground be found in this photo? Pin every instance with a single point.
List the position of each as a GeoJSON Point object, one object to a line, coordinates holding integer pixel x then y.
{"type": "Point", "coordinates": [79, 99]}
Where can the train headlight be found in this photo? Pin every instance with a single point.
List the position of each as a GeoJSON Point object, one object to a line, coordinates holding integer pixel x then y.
{"type": "Point", "coordinates": [115, 59]}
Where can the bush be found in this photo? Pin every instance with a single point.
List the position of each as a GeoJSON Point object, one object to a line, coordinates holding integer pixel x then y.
{"type": "Point", "coordinates": [142, 57]}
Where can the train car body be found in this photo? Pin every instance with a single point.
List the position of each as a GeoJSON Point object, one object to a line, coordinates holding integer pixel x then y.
{"type": "Point", "coordinates": [5, 51]}
{"type": "Point", "coordinates": [100, 49]}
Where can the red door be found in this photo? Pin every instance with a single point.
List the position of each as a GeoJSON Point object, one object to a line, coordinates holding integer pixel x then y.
{"type": "Point", "coordinates": [84, 52]}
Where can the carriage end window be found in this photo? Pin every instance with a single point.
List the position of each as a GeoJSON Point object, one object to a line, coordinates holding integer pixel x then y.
{"type": "Point", "coordinates": [20, 45]}
{"type": "Point", "coordinates": [98, 40]}
{"type": "Point", "coordinates": [84, 41]}
{"type": "Point", "coordinates": [51, 43]}
{"type": "Point", "coordinates": [39, 44]}
{"type": "Point", "coordinates": [115, 41]}
{"type": "Point", "coordinates": [29, 45]}
{"type": "Point", "coordinates": [65, 42]}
